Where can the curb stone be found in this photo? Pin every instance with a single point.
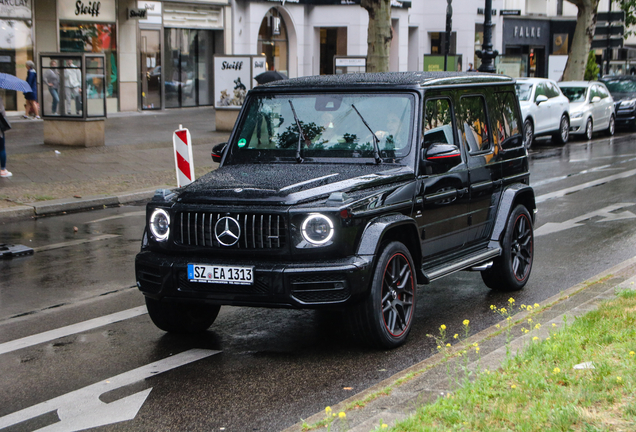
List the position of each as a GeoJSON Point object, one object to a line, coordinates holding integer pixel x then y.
{"type": "Point", "coordinates": [431, 381]}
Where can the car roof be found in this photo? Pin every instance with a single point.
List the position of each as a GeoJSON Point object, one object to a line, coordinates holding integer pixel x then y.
{"type": "Point", "coordinates": [533, 80]}
{"type": "Point", "coordinates": [577, 83]}
{"type": "Point", "coordinates": [423, 79]}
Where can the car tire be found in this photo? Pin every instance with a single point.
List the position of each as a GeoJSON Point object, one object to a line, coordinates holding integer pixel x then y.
{"type": "Point", "coordinates": [611, 128]}
{"type": "Point", "coordinates": [511, 270]}
{"type": "Point", "coordinates": [528, 130]}
{"type": "Point", "coordinates": [589, 131]}
{"type": "Point", "coordinates": [181, 317]}
{"type": "Point", "coordinates": [562, 135]}
{"type": "Point", "coordinates": [384, 318]}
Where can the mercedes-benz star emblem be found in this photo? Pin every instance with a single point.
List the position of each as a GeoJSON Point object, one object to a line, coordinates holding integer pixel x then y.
{"type": "Point", "coordinates": [227, 231]}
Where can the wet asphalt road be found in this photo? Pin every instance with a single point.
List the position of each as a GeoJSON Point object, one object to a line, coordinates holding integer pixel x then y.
{"type": "Point", "coordinates": [268, 369]}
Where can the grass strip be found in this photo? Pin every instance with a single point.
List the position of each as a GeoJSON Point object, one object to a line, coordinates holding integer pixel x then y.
{"type": "Point", "coordinates": [539, 389]}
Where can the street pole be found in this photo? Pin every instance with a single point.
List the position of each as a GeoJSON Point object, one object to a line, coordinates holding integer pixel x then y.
{"type": "Point", "coordinates": [449, 26]}
{"type": "Point", "coordinates": [486, 54]}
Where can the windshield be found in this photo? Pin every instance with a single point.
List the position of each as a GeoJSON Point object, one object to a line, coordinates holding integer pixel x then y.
{"type": "Point", "coordinates": [575, 94]}
{"type": "Point", "coordinates": [621, 86]}
{"type": "Point", "coordinates": [331, 127]}
{"type": "Point", "coordinates": [524, 91]}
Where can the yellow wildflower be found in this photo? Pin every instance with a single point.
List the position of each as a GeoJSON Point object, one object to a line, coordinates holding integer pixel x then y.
{"type": "Point", "coordinates": [513, 386]}
{"type": "Point", "coordinates": [535, 338]}
{"type": "Point", "coordinates": [502, 310]}
{"type": "Point", "coordinates": [619, 379]}
{"type": "Point", "coordinates": [529, 320]}
{"type": "Point", "coordinates": [632, 353]}
{"type": "Point", "coordinates": [511, 300]}
{"type": "Point", "coordinates": [553, 325]}
{"type": "Point", "coordinates": [448, 345]}
{"type": "Point", "coordinates": [538, 326]}
{"type": "Point", "coordinates": [443, 327]}
{"type": "Point", "coordinates": [466, 322]}
{"type": "Point", "coordinates": [536, 305]}
{"type": "Point", "coordinates": [556, 370]}
{"type": "Point", "coordinates": [328, 410]}
{"type": "Point", "coordinates": [456, 336]}
{"type": "Point", "coordinates": [384, 425]}
{"type": "Point", "coordinates": [477, 349]}
{"type": "Point", "coordinates": [342, 414]}
{"type": "Point", "coordinates": [475, 344]}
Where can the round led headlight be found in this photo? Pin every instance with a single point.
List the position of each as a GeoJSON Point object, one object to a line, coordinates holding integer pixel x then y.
{"type": "Point", "coordinates": [160, 224]}
{"type": "Point", "coordinates": [317, 229]}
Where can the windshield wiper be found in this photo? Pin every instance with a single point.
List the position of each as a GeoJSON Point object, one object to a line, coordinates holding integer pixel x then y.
{"type": "Point", "coordinates": [376, 147]}
{"type": "Point", "coordinates": [301, 135]}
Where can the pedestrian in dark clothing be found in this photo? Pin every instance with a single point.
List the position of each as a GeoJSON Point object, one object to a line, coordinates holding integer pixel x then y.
{"type": "Point", "coordinates": [3, 153]}
{"type": "Point", "coordinates": [32, 96]}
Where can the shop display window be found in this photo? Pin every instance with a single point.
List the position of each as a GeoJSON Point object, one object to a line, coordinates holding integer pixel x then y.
{"type": "Point", "coordinates": [16, 47]}
{"type": "Point", "coordinates": [273, 44]}
{"type": "Point", "coordinates": [94, 38]}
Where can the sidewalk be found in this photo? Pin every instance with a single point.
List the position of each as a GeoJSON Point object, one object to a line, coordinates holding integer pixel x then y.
{"type": "Point", "coordinates": [399, 396]}
{"type": "Point", "coordinates": [136, 160]}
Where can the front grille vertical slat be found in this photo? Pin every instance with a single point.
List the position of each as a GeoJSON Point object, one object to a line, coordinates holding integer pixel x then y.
{"type": "Point", "coordinates": [258, 231]}
{"type": "Point", "coordinates": [196, 229]}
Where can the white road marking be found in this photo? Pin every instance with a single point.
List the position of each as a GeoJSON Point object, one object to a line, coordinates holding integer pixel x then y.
{"type": "Point", "coordinates": [82, 409]}
{"type": "Point", "coordinates": [71, 329]}
{"type": "Point", "coordinates": [582, 186]}
{"type": "Point", "coordinates": [123, 215]}
{"type": "Point", "coordinates": [74, 242]}
{"type": "Point", "coordinates": [604, 213]}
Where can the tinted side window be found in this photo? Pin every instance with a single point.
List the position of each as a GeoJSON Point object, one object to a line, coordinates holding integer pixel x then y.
{"type": "Point", "coordinates": [553, 90]}
{"type": "Point", "coordinates": [438, 122]}
{"type": "Point", "coordinates": [473, 125]}
{"type": "Point", "coordinates": [505, 121]}
{"type": "Point", "coordinates": [602, 90]}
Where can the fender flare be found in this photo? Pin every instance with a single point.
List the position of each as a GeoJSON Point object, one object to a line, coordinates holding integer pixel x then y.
{"type": "Point", "coordinates": [376, 229]}
{"type": "Point", "coordinates": [511, 196]}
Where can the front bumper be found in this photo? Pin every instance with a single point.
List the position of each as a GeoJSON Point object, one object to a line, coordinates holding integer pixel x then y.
{"type": "Point", "coordinates": [625, 117]}
{"type": "Point", "coordinates": [577, 125]}
{"type": "Point", "coordinates": [276, 284]}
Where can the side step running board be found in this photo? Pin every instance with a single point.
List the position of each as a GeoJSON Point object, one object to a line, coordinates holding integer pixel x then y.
{"type": "Point", "coordinates": [479, 257]}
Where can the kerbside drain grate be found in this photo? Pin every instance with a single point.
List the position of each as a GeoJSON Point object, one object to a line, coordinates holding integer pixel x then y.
{"type": "Point", "coordinates": [11, 251]}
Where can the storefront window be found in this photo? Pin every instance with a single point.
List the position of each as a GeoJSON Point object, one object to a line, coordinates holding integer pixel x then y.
{"type": "Point", "coordinates": [95, 38]}
{"type": "Point", "coordinates": [272, 42]}
{"type": "Point", "coordinates": [16, 47]}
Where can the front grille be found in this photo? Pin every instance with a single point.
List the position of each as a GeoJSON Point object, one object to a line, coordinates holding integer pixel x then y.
{"type": "Point", "coordinates": [258, 231]}
{"type": "Point", "coordinates": [149, 277]}
{"type": "Point", "coordinates": [320, 288]}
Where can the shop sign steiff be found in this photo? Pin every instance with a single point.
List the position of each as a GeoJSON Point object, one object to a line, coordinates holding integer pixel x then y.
{"type": "Point", "coordinates": [153, 12]}
{"type": "Point", "coordinates": [137, 14]}
{"type": "Point", "coordinates": [259, 65]}
{"type": "Point", "coordinates": [232, 80]}
{"type": "Point", "coordinates": [87, 10]}
{"type": "Point", "coordinates": [15, 9]}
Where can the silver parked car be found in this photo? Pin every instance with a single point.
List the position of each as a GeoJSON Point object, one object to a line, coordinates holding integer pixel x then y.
{"type": "Point", "coordinates": [591, 107]}
{"type": "Point", "coordinates": [544, 109]}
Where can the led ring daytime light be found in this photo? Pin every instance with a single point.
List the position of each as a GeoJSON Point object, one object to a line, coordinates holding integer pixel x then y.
{"type": "Point", "coordinates": [317, 229]}
{"type": "Point", "coordinates": [160, 224]}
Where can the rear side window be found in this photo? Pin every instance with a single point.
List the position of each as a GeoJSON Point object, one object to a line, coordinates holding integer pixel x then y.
{"type": "Point", "coordinates": [438, 122]}
{"type": "Point", "coordinates": [473, 125]}
{"type": "Point", "coordinates": [505, 121]}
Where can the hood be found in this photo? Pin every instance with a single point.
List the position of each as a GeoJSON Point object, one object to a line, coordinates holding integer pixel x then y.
{"type": "Point", "coordinates": [623, 96]}
{"type": "Point", "coordinates": [288, 184]}
{"type": "Point", "coordinates": [577, 106]}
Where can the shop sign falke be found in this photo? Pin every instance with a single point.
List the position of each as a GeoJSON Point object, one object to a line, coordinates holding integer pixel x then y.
{"type": "Point", "coordinates": [87, 10]}
{"type": "Point", "coordinates": [15, 9]}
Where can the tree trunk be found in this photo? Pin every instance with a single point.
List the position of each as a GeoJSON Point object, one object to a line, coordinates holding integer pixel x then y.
{"type": "Point", "coordinates": [582, 40]}
{"type": "Point", "coordinates": [379, 35]}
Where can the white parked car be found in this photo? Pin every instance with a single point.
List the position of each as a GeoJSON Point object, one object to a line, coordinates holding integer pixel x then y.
{"type": "Point", "coordinates": [544, 109]}
{"type": "Point", "coordinates": [591, 107]}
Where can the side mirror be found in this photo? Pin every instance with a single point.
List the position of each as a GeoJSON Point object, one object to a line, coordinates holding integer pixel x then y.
{"type": "Point", "coordinates": [217, 152]}
{"type": "Point", "coordinates": [596, 99]}
{"type": "Point", "coordinates": [541, 98]}
{"type": "Point", "coordinates": [448, 154]}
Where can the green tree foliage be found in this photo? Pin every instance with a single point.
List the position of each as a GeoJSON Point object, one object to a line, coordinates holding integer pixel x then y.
{"type": "Point", "coordinates": [629, 6]}
{"type": "Point", "coordinates": [591, 69]}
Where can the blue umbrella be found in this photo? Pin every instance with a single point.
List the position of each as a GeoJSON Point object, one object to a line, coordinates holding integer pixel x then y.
{"type": "Point", "coordinates": [10, 82]}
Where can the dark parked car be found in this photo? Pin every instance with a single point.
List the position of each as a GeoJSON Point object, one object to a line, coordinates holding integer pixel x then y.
{"type": "Point", "coordinates": [346, 192]}
{"type": "Point", "coordinates": [623, 90]}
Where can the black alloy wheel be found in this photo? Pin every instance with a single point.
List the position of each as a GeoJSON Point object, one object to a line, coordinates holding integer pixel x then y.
{"type": "Point", "coordinates": [528, 131]}
{"type": "Point", "coordinates": [588, 129]}
{"type": "Point", "coordinates": [510, 271]}
{"type": "Point", "coordinates": [385, 317]}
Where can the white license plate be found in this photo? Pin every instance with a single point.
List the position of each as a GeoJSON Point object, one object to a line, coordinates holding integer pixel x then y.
{"type": "Point", "coordinates": [232, 275]}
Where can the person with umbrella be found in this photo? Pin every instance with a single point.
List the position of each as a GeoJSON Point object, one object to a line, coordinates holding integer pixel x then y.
{"type": "Point", "coordinates": [32, 95]}
{"type": "Point", "coordinates": [269, 76]}
{"type": "Point", "coordinates": [4, 125]}
{"type": "Point", "coordinates": [8, 82]}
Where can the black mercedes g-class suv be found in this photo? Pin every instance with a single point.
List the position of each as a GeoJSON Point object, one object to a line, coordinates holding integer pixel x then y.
{"type": "Point", "coordinates": [345, 192]}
